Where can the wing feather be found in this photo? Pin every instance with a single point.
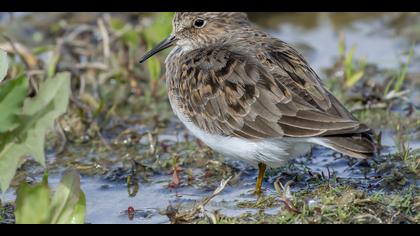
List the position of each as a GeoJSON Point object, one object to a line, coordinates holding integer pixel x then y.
{"type": "Point", "coordinates": [274, 94]}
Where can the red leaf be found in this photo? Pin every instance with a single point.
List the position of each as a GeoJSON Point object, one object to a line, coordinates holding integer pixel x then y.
{"type": "Point", "coordinates": [176, 179]}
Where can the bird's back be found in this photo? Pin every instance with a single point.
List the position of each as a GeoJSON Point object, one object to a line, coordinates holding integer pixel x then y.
{"type": "Point", "coordinates": [263, 89]}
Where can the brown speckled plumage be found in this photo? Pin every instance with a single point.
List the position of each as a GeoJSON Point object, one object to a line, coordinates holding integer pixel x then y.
{"type": "Point", "coordinates": [230, 79]}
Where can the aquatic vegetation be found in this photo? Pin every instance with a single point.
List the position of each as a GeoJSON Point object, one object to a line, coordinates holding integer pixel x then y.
{"type": "Point", "coordinates": [395, 85]}
{"type": "Point", "coordinates": [37, 205]}
{"type": "Point", "coordinates": [337, 205]}
{"type": "Point", "coordinates": [353, 71]}
{"type": "Point", "coordinates": [176, 216]}
{"type": "Point", "coordinates": [25, 120]}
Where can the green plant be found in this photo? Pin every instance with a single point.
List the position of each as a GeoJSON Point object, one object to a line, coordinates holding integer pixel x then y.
{"type": "Point", "coordinates": [36, 205]}
{"type": "Point", "coordinates": [353, 71]}
{"type": "Point", "coordinates": [398, 80]}
{"type": "Point", "coordinates": [24, 121]}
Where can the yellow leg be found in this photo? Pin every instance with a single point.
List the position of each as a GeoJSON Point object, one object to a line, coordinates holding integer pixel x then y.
{"type": "Point", "coordinates": [261, 173]}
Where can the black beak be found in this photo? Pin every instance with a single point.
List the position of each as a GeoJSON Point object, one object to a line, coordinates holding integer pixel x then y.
{"type": "Point", "coordinates": [167, 43]}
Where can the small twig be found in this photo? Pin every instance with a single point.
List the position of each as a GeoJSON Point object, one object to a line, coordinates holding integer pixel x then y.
{"type": "Point", "coordinates": [192, 214]}
{"type": "Point", "coordinates": [28, 59]}
{"type": "Point", "coordinates": [393, 94]}
{"type": "Point", "coordinates": [82, 85]}
{"type": "Point", "coordinates": [81, 106]}
{"type": "Point", "coordinates": [368, 216]}
{"type": "Point", "coordinates": [13, 47]}
{"type": "Point", "coordinates": [36, 72]}
{"type": "Point", "coordinates": [105, 38]}
{"type": "Point", "coordinates": [59, 130]}
{"type": "Point", "coordinates": [285, 196]}
{"type": "Point", "coordinates": [104, 142]}
{"type": "Point", "coordinates": [91, 65]}
{"type": "Point", "coordinates": [216, 192]}
{"type": "Point", "coordinates": [73, 34]}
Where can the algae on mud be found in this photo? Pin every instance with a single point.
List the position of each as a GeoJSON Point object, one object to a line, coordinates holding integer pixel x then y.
{"type": "Point", "coordinates": [120, 134]}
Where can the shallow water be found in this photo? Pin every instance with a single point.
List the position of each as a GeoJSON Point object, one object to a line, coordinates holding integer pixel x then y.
{"type": "Point", "coordinates": [317, 35]}
{"type": "Point", "coordinates": [320, 43]}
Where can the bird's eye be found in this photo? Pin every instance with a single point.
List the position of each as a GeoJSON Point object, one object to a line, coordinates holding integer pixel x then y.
{"type": "Point", "coordinates": [199, 23]}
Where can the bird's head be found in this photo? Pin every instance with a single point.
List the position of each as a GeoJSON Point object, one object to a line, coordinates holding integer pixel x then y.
{"type": "Point", "coordinates": [192, 30]}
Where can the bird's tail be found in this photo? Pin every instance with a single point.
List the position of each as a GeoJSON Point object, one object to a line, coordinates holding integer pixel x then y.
{"type": "Point", "coordinates": [359, 145]}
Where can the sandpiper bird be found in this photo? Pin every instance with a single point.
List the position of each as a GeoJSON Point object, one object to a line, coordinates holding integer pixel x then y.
{"type": "Point", "coordinates": [251, 96]}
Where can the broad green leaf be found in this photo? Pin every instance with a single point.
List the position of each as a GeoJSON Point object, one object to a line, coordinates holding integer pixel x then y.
{"type": "Point", "coordinates": [4, 64]}
{"type": "Point", "coordinates": [51, 90]}
{"type": "Point", "coordinates": [41, 112]}
{"type": "Point", "coordinates": [33, 204]}
{"type": "Point", "coordinates": [10, 158]}
{"type": "Point", "coordinates": [38, 116]}
{"type": "Point", "coordinates": [65, 199]}
{"type": "Point", "coordinates": [12, 95]}
{"type": "Point", "coordinates": [79, 212]}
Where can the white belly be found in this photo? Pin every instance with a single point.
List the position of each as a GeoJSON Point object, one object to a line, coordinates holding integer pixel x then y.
{"type": "Point", "coordinates": [273, 152]}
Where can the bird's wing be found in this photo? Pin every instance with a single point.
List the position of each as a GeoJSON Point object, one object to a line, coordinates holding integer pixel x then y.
{"type": "Point", "coordinates": [226, 93]}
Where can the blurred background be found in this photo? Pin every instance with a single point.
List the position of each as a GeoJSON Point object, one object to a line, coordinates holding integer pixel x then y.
{"type": "Point", "coordinates": [121, 135]}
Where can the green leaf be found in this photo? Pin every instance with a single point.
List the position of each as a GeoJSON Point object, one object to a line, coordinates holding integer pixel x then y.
{"type": "Point", "coordinates": [4, 64]}
{"type": "Point", "coordinates": [65, 199]}
{"type": "Point", "coordinates": [350, 82]}
{"type": "Point", "coordinates": [12, 95]}
{"type": "Point", "coordinates": [79, 212]}
{"type": "Point", "coordinates": [10, 158]}
{"type": "Point", "coordinates": [33, 204]}
{"type": "Point", "coordinates": [389, 85]}
{"type": "Point", "coordinates": [348, 62]}
{"type": "Point", "coordinates": [398, 80]}
{"type": "Point", "coordinates": [56, 90]}
{"type": "Point", "coordinates": [38, 116]}
{"type": "Point", "coordinates": [403, 74]}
